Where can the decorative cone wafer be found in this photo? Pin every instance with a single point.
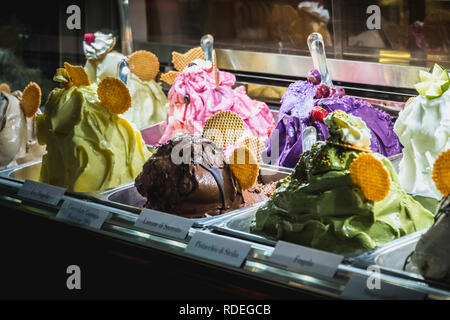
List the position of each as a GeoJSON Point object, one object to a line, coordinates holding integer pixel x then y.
{"type": "Point", "coordinates": [244, 167]}
{"type": "Point", "coordinates": [441, 173]}
{"type": "Point", "coordinates": [144, 64]}
{"type": "Point", "coordinates": [351, 146]}
{"type": "Point", "coordinates": [77, 74]}
{"type": "Point", "coordinates": [181, 61]}
{"type": "Point", "coordinates": [224, 128]}
{"type": "Point", "coordinates": [371, 176]}
{"type": "Point", "coordinates": [169, 77]}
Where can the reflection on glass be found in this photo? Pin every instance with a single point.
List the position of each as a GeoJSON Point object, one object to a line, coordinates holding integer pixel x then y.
{"type": "Point", "coordinates": [412, 32]}
{"type": "Point", "coordinates": [260, 25]}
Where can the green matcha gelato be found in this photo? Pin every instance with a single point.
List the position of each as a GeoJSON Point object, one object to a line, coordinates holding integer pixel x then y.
{"type": "Point", "coordinates": [319, 206]}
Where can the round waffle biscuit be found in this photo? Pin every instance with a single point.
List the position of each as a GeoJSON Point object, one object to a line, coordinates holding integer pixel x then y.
{"type": "Point", "coordinates": [371, 176]}
{"type": "Point", "coordinates": [144, 64]}
{"type": "Point", "coordinates": [224, 128]}
{"type": "Point", "coordinates": [441, 173]}
{"type": "Point", "coordinates": [114, 95]}
{"type": "Point", "coordinates": [31, 99]}
{"type": "Point", "coordinates": [4, 87]}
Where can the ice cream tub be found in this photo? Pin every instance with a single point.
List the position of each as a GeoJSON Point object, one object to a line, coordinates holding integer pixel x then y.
{"type": "Point", "coordinates": [393, 256]}
{"type": "Point", "coordinates": [127, 194]}
{"type": "Point", "coordinates": [28, 171]}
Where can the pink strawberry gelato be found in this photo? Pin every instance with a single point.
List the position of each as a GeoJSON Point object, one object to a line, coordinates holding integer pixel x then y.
{"type": "Point", "coordinates": [194, 97]}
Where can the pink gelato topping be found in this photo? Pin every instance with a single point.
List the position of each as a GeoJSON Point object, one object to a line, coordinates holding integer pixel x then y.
{"type": "Point", "coordinates": [194, 98]}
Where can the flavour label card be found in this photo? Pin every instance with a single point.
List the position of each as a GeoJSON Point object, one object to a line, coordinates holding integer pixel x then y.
{"type": "Point", "coordinates": [80, 213]}
{"type": "Point", "coordinates": [41, 192]}
{"type": "Point", "coordinates": [218, 248]}
{"type": "Point", "coordinates": [164, 223]}
{"type": "Point", "coordinates": [306, 259]}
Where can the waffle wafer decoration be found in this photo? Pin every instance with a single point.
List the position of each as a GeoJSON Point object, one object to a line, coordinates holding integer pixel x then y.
{"type": "Point", "coordinates": [224, 128]}
{"type": "Point", "coordinates": [71, 76]}
{"type": "Point", "coordinates": [31, 99]}
{"type": "Point", "coordinates": [144, 64]}
{"type": "Point", "coordinates": [114, 95]}
{"type": "Point", "coordinates": [244, 167]}
{"type": "Point", "coordinates": [371, 176]}
{"type": "Point", "coordinates": [181, 61]}
{"type": "Point", "coordinates": [169, 77]}
{"type": "Point", "coordinates": [441, 173]}
{"type": "Point", "coordinates": [255, 145]}
{"type": "Point", "coordinates": [4, 87]}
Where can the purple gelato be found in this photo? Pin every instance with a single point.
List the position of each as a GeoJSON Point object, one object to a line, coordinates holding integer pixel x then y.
{"type": "Point", "coordinates": [295, 115]}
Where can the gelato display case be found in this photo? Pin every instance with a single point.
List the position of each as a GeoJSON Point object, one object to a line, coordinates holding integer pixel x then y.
{"type": "Point", "coordinates": [226, 149]}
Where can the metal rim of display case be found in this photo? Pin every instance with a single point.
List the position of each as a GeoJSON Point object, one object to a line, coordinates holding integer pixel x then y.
{"type": "Point", "coordinates": [286, 65]}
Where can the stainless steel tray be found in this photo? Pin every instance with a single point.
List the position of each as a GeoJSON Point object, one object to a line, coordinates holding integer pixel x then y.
{"type": "Point", "coordinates": [28, 171]}
{"type": "Point", "coordinates": [238, 225]}
{"type": "Point", "coordinates": [128, 195]}
{"type": "Point", "coordinates": [393, 255]}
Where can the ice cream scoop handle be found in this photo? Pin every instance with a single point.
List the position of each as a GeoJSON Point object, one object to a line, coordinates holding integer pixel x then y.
{"type": "Point", "coordinates": [207, 44]}
{"type": "Point", "coordinates": [309, 138]}
{"type": "Point", "coordinates": [127, 36]}
{"type": "Point", "coordinates": [317, 50]}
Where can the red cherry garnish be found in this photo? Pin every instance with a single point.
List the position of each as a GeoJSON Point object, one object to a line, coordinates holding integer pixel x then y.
{"type": "Point", "coordinates": [318, 114]}
{"type": "Point", "coordinates": [89, 38]}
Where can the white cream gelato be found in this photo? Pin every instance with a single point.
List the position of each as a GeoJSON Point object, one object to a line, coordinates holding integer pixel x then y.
{"type": "Point", "coordinates": [424, 130]}
{"type": "Point", "coordinates": [148, 101]}
{"type": "Point", "coordinates": [351, 129]}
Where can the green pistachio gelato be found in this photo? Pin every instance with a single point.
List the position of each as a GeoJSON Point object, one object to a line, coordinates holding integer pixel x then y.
{"type": "Point", "coordinates": [319, 206]}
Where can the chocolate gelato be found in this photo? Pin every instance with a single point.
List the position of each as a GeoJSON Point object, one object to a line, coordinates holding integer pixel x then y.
{"type": "Point", "coordinates": [188, 176]}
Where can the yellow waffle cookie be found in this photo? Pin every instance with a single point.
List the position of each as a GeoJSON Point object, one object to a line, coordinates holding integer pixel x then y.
{"type": "Point", "coordinates": [224, 128]}
{"type": "Point", "coordinates": [169, 77]}
{"type": "Point", "coordinates": [256, 146]}
{"type": "Point", "coordinates": [4, 87]}
{"type": "Point", "coordinates": [371, 176]}
{"type": "Point", "coordinates": [78, 77]}
{"type": "Point", "coordinates": [181, 61]}
{"type": "Point", "coordinates": [244, 167]}
{"type": "Point", "coordinates": [144, 64]}
{"type": "Point", "coordinates": [31, 99]}
{"type": "Point", "coordinates": [114, 95]}
{"type": "Point", "coordinates": [441, 173]}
